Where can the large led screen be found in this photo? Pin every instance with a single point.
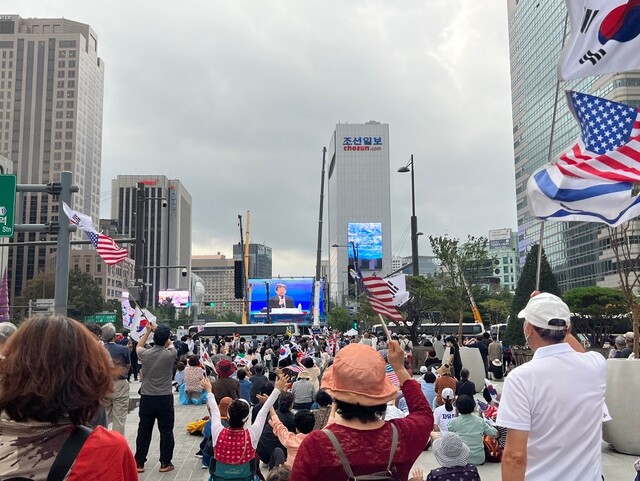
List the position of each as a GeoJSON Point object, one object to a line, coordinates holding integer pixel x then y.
{"type": "Point", "coordinates": [365, 244]}
{"type": "Point", "coordinates": [177, 298]}
{"type": "Point", "coordinates": [284, 300]}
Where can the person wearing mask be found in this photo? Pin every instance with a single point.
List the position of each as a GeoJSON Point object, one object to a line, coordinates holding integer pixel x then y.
{"type": "Point", "coordinates": [560, 382]}
{"type": "Point", "coordinates": [454, 356]}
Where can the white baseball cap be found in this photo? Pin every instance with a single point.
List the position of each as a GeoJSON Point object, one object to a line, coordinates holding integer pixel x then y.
{"type": "Point", "coordinates": [546, 311]}
{"type": "Point", "coordinates": [447, 393]}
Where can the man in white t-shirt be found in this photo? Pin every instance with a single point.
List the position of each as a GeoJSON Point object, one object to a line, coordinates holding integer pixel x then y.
{"type": "Point", "coordinates": [552, 406]}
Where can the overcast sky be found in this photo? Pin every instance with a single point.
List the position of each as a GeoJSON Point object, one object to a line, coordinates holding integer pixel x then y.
{"type": "Point", "coordinates": [237, 98]}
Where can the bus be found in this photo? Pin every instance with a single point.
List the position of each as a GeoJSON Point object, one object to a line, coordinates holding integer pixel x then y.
{"type": "Point", "coordinates": [230, 329]}
{"type": "Point", "coordinates": [445, 329]}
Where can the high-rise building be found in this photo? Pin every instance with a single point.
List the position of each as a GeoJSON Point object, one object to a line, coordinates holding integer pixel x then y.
{"type": "Point", "coordinates": [260, 260]}
{"type": "Point", "coordinates": [217, 274]}
{"type": "Point", "coordinates": [577, 251]}
{"type": "Point", "coordinates": [167, 229]}
{"type": "Point", "coordinates": [51, 84]}
{"type": "Point", "coordinates": [359, 203]}
{"type": "Point", "coordinates": [503, 252]}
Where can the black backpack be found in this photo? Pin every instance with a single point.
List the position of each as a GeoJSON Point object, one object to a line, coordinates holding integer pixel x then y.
{"type": "Point", "coordinates": [388, 475]}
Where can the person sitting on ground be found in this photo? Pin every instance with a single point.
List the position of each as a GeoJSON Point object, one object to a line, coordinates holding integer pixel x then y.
{"type": "Point", "coordinates": [303, 391]}
{"type": "Point", "coordinates": [428, 386]}
{"type": "Point", "coordinates": [464, 386]}
{"type": "Point", "coordinates": [495, 369]}
{"type": "Point", "coordinates": [193, 374]}
{"type": "Point", "coordinates": [303, 421]}
{"type": "Point", "coordinates": [445, 380]}
{"type": "Point", "coordinates": [358, 382]}
{"type": "Point", "coordinates": [322, 412]}
{"type": "Point", "coordinates": [54, 377]}
{"type": "Point", "coordinates": [234, 447]}
{"type": "Point", "coordinates": [471, 429]}
{"type": "Point", "coordinates": [313, 371]}
{"type": "Point", "coordinates": [280, 473]}
{"type": "Point", "coordinates": [432, 359]}
{"type": "Point", "coordinates": [179, 375]}
{"type": "Point", "coordinates": [453, 455]}
{"type": "Point", "coordinates": [268, 440]}
{"type": "Point", "coordinates": [443, 415]}
{"type": "Point", "coordinates": [257, 380]}
{"type": "Point", "coordinates": [245, 385]}
{"type": "Point", "coordinates": [225, 386]}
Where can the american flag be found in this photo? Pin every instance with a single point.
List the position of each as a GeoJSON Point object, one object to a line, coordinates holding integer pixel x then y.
{"type": "Point", "coordinates": [609, 147]}
{"type": "Point", "coordinates": [392, 376]}
{"type": "Point", "coordinates": [379, 295]}
{"type": "Point", "coordinates": [107, 248]}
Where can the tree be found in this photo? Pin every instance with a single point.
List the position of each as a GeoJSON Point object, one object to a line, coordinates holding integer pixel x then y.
{"type": "Point", "coordinates": [339, 319]}
{"type": "Point", "coordinates": [230, 316]}
{"type": "Point", "coordinates": [496, 310]}
{"type": "Point", "coordinates": [462, 265]}
{"type": "Point", "coordinates": [165, 311]}
{"type": "Point", "coordinates": [595, 311]}
{"type": "Point", "coordinates": [85, 295]}
{"type": "Point", "coordinates": [41, 286]}
{"type": "Point", "coordinates": [424, 299]}
{"type": "Point", "coordinates": [526, 285]}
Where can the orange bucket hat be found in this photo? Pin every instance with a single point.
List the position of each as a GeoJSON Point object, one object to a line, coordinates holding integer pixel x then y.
{"type": "Point", "coordinates": [358, 376]}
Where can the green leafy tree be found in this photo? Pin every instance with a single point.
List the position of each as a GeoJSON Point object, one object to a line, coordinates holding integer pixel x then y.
{"type": "Point", "coordinates": [85, 295]}
{"type": "Point", "coordinates": [495, 309]}
{"type": "Point", "coordinates": [339, 319]}
{"type": "Point", "coordinates": [462, 266]}
{"type": "Point", "coordinates": [230, 316]}
{"type": "Point", "coordinates": [41, 286]}
{"type": "Point", "coordinates": [596, 311]}
{"type": "Point", "coordinates": [526, 285]}
{"type": "Point", "coordinates": [424, 299]}
{"type": "Point", "coordinates": [366, 316]}
{"type": "Point", "coordinates": [165, 311]}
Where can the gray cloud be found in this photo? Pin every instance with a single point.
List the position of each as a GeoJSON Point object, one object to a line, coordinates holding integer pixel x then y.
{"type": "Point", "coordinates": [237, 99]}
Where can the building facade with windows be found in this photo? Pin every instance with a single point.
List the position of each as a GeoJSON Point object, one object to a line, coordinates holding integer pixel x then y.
{"type": "Point", "coordinates": [167, 229]}
{"type": "Point", "coordinates": [260, 260]}
{"type": "Point", "coordinates": [578, 252]}
{"type": "Point", "coordinates": [217, 274]}
{"type": "Point", "coordinates": [503, 252]}
{"type": "Point", "coordinates": [51, 98]}
{"type": "Point", "coordinates": [359, 203]}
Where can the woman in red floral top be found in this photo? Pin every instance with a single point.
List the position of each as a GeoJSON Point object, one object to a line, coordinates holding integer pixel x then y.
{"type": "Point", "coordinates": [359, 385]}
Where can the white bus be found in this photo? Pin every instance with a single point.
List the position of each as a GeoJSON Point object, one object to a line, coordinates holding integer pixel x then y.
{"type": "Point", "coordinates": [230, 329]}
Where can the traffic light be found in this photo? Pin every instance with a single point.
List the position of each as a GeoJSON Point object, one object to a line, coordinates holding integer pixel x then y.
{"type": "Point", "coordinates": [355, 325]}
{"type": "Point", "coordinates": [238, 279]}
{"type": "Point", "coordinates": [212, 304]}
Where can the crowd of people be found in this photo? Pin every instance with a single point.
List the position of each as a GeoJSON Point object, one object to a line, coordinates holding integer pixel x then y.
{"type": "Point", "coordinates": [309, 408]}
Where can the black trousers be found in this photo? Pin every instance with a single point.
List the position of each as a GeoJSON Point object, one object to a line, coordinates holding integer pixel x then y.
{"type": "Point", "coordinates": [154, 408]}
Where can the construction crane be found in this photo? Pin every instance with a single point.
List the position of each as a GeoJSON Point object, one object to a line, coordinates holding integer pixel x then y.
{"type": "Point", "coordinates": [474, 307]}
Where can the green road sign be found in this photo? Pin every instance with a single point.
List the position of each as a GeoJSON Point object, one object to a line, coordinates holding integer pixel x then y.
{"type": "Point", "coordinates": [7, 204]}
{"type": "Point", "coordinates": [101, 318]}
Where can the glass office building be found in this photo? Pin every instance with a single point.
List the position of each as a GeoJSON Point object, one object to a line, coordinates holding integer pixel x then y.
{"type": "Point", "coordinates": [578, 251]}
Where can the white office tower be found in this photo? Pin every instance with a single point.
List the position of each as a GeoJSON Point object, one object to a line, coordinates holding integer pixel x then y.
{"type": "Point", "coordinates": [359, 205]}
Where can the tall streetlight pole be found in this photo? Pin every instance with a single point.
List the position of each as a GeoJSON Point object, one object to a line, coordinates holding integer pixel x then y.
{"type": "Point", "coordinates": [414, 220]}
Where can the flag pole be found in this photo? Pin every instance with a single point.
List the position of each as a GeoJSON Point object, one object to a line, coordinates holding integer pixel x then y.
{"type": "Point", "coordinates": [549, 152]}
{"type": "Point", "coordinates": [385, 328]}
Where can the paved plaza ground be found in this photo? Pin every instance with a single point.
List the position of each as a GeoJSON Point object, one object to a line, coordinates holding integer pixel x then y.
{"type": "Point", "coordinates": [617, 467]}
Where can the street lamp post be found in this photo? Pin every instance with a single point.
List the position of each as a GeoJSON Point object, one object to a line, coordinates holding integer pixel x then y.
{"type": "Point", "coordinates": [414, 220]}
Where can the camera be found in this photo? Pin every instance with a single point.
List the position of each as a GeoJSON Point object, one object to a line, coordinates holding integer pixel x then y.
{"type": "Point", "coordinates": [164, 202]}
{"type": "Point", "coordinates": [184, 273]}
